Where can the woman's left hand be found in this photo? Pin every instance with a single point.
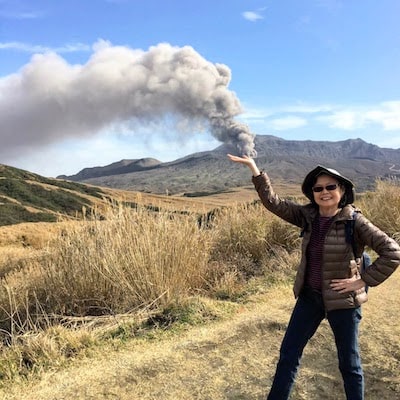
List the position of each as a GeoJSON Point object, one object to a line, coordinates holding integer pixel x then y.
{"type": "Point", "coordinates": [347, 285]}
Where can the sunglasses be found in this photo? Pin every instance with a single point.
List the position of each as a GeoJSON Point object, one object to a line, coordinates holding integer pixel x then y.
{"type": "Point", "coordinates": [330, 188]}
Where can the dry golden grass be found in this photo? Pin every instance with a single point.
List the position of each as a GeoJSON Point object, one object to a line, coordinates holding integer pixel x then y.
{"type": "Point", "coordinates": [232, 359]}
{"type": "Point", "coordinates": [72, 294]}
{"type": "Point", "coordinates": [382, 207]}
{"type": "Point", "coordinates": [121, 261]}
{"type": "Point", "coordinates": [28, 235]}
{"type": "Point", "coordinates": [37, 234]}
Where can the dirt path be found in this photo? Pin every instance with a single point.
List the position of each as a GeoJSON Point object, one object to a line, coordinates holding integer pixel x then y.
{"type": "Point", "coordinates": [235, 359]}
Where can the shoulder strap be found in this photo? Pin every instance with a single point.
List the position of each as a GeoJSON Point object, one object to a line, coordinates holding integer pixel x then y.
{"type": "Point", "coordinates": [349, 232]}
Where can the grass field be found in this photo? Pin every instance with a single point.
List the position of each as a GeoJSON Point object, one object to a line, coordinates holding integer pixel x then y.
{"type": "Point", "coordinates": [137, 304]}
{"type": "Point", "coordinates": [231, 359]}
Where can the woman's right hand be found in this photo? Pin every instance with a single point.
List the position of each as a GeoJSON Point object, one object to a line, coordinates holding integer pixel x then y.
{"type": "Point", "coordinates": [246, 160]}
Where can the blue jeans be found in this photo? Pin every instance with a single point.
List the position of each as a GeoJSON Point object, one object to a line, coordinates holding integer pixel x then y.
{"type": "Point", "coordinates": [306, 317]}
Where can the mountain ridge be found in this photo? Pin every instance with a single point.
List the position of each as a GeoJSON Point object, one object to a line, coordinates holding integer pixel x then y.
{"type": "Point", "coordinates": [285, 160]}
{"type": "Point", "coordinates": [116, 168]}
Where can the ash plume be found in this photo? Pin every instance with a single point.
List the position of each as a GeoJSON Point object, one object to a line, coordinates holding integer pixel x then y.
{"type": "Point", "coordinates": [49, 99]}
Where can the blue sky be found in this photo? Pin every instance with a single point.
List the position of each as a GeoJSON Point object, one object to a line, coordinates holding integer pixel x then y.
{"type": "Point", "coordinates": [299, 69]}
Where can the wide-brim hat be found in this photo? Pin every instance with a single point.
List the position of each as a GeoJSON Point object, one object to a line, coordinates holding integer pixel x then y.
{"type": "Point", "coordinates": [311, 178]}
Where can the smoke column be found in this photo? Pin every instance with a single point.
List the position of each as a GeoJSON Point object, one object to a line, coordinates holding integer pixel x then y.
{"type": "Point", "coordinates": [49, 99]}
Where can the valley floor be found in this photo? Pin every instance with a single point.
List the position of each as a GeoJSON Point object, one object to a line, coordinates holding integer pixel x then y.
{"type": "Point", "coordinates": [234, 359]}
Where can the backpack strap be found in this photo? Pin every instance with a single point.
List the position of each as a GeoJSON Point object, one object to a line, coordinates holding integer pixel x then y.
{"type": "Point", "coordinates": [349, 232]}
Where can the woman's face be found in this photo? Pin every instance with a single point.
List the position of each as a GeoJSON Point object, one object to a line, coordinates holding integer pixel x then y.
{"type": "Point", "coordinates": [331, 193]}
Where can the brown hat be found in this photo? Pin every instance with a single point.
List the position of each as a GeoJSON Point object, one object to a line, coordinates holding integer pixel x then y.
{"type": "Point", "coordinates": [310, 179]}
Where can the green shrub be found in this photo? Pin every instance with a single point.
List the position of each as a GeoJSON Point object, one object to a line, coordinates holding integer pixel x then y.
{"type": "Point", "coordinates": [12, 213]}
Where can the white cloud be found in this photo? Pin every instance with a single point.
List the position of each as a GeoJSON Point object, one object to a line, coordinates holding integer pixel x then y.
{"type": "Point", "coordinates": [252, 16]}
{"type": "Point", "coordinates": [346, 120]}
{"type": "Point", "coordinates": [375, 123]}
{"type": "Point", "coordinates": [305, 108]}
{"type": "Point", "coordinates": [29, 48]}
{"type": "Point", "coordinates": [256, 114]}
{"type": "Point", "coordinates": [389, 142]}
{"type": "Point", "coordinates": [299, 107]}
{"type": "Point", "coordinates": [386, 115]}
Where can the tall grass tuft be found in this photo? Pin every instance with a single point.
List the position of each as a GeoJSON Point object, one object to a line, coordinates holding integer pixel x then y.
{"type": "Point", "coordinates": [118, 262]}
{"type": "Point", "coordinates": [249, 243]}
{"type": "Point", "coordinates": [382, 207]}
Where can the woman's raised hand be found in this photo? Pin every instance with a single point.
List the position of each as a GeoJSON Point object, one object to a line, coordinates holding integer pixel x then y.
{"type": "Point", "coordinates": [246, 160]}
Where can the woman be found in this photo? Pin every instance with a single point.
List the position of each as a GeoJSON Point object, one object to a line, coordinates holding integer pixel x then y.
{"type": "Point", "coordinates": [328, 281]}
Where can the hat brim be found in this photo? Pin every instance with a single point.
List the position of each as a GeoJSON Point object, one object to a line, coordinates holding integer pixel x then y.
{"type": "Point", "coordinates": [311, 177]}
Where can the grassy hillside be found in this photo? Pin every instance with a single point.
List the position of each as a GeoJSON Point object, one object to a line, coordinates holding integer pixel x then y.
{"type": "Point", "coordinates": [27, 197]}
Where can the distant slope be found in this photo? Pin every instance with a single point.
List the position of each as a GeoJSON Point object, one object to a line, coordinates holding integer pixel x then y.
{"type": "Point", "coordinates": [28, 197]}
{"type": "Point", "coordinates": [120, 167]}
{"type": "Point", "coordinates": [286, 161]}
